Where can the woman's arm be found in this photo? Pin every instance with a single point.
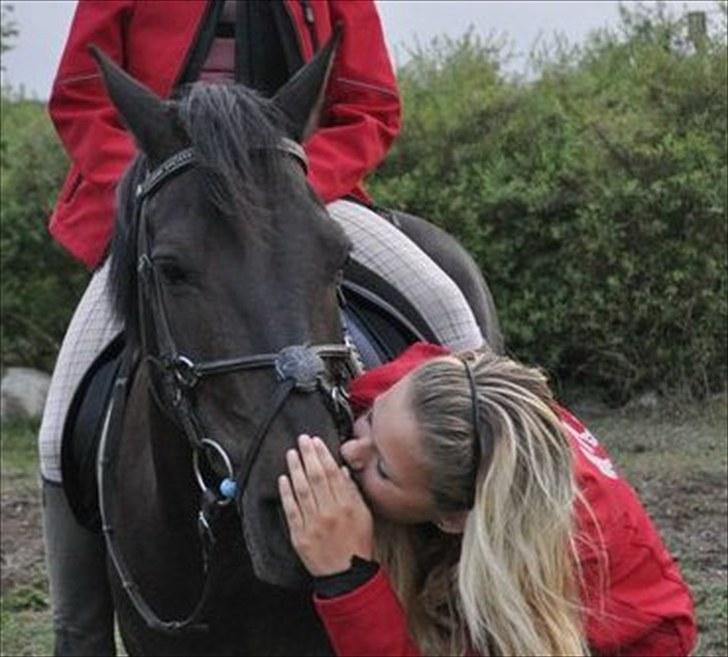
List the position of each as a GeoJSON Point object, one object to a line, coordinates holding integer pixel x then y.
{"type": "Point", "coordinates": [636, 600]}
{"type": "Point", "coordinates": [367, 621]}
{"type": "Point", "coordinates": [88, 126]}
{"type": "Point", "coordinates": [79, 107]}
{"type": "Point", "coordinates": [330, 524]}
{"type": "Point", "coordinates": [362, 112]}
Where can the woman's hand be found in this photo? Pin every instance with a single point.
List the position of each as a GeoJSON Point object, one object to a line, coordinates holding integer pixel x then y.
{"type": "Point", "coordinates": [328, 520]}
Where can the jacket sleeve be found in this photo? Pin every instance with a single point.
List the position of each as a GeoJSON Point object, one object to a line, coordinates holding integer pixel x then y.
{"type": "Point", "coordinates": [362, 115]}
{"type": "Point", "coordinates": [645, 608]}
{"type": "Point", "coordinates": [367, 621]}
{"type": "Point", "coordinates": [82, 114]}
{"type": "Point", "coordinates": [635, 599]}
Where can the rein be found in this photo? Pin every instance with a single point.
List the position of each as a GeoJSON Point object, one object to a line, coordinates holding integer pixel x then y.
{"type": "Point", "coordinates": [297, 368]}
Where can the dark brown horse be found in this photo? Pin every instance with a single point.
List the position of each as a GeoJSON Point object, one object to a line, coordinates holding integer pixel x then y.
{"type": "Point", "coordinates": [225, 269]}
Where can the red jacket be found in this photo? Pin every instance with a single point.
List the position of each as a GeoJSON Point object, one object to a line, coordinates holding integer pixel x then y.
{"type": "Point", "coordinates": [646, 608]}
{"type": "Point", "coordinates": [151, 40]}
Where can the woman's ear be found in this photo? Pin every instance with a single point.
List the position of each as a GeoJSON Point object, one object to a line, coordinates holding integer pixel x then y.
{"type": "Point", "coordinates": [452, 522]}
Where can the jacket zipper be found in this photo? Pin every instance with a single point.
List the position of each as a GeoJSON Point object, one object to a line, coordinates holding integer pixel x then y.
{"type": "Point", "coordinates": [308, 17]}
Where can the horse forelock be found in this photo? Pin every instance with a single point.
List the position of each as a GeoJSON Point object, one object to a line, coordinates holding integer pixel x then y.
{"type": "Point", "coordinates": [234, 132]}
{"type": "Point", "coordinates": [236, 135]}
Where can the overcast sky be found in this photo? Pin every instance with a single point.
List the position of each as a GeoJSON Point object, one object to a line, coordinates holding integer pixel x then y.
{"type": "Point", "coordinates": [44, 25]}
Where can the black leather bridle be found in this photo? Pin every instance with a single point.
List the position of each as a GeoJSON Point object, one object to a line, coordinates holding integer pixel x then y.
{"type": "Point", "coordinates": [297, 368]}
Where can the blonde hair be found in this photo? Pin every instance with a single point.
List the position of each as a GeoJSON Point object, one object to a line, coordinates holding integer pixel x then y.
{"type": "Point", "coordinates": [509, 584]}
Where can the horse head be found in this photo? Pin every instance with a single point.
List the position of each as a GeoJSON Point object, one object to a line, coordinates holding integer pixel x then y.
{"type": "Point", "coordinates": [225, 267]}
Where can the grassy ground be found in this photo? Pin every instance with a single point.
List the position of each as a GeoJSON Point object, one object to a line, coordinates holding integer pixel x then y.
{"type": "Point", "coordinates": [677, 459]}
{"type": "Point", "coordinates": [24, 612]}
{"type": "Point", "coordinates": [678, 463]}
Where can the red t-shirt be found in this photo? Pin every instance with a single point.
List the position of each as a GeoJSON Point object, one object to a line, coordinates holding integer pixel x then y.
{"type": "Point", "coordinates": [640, 606]}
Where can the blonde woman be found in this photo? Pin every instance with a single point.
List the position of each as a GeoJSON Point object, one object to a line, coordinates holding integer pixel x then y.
{"type": "Point", "coordinates": [501, 526]}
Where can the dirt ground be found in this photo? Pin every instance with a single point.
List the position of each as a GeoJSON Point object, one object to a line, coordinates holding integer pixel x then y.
{"type": "Point", "coordinates": [696, 525]}
{"type": "Point", "coordinates": [678, 467]}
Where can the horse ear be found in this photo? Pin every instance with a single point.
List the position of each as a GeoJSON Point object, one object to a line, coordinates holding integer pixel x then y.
{"type": "Point", "coordinates": [146, 115]}
{"type": "Point", "coordinates": [301, 99]}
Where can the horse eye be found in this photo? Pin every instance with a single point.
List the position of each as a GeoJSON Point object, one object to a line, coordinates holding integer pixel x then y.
{"type": "Point", "coordinates": [172, 272]}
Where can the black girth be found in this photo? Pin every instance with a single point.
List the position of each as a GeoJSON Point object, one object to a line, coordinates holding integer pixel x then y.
{"type": "Point", "coordinates": [301, 368]}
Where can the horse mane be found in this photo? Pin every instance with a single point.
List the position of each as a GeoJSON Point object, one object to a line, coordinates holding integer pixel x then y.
{"type": "Point", "coordinates": [122, 281]}
{"type": "Point", "coordinates": [234, 132]}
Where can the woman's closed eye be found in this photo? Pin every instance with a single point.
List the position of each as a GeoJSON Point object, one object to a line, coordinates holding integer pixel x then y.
{"type": "Point", "coordinates": [380, 469]}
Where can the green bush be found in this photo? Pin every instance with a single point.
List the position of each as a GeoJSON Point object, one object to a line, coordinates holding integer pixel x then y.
{"type": "Point", "coordinates": [40, 283]}
{"type": "Point", "coordinates": [593, 197]}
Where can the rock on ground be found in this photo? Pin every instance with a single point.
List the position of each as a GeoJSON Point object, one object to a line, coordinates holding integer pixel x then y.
{"type": "Point", "coordinates": [23, 393]}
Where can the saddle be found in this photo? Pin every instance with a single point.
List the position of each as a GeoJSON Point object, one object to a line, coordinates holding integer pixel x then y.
{"type": "Point", "coordinates": [379, 319]}
{"type": "Point", "coordinates": [82, 430]}
{"type": "Point", "coordinates": [380, 322]}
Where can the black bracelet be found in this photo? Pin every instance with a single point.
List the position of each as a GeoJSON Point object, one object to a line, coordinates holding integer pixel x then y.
{"type": "Point", "coordinates": [359, 573]}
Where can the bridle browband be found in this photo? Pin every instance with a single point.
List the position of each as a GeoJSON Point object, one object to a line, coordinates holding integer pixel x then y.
{"type": "Point", "coordinates": [297, 368]}
{"type": "Point", "coordinates": [185, 158]}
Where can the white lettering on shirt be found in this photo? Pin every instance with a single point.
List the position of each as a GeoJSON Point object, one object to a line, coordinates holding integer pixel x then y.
{"type": "Point", "coordinates": [588, 446]}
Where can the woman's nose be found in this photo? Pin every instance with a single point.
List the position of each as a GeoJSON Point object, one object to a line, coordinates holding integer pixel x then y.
{"type": "Point", "coordinates": [356, 452]}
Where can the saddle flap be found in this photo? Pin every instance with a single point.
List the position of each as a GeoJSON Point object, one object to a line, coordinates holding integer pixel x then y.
{"type": "Point", "coordinates": [81, 433]}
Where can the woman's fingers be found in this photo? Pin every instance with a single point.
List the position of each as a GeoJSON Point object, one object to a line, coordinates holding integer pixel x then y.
{"type": "Point", "coordinates": [290, 506]}
{"type": "Point", "coordinates": [317, 481]}
{"type": "Point", "coordinates": [316, 472]}
{"type": "Point", "coordinates": [341, 484]}
{"type": "Point", "coordinates": [327, 519]}
{"type": "Point", "coordinates": [352, 493]}
{"type": "Point", "coordinates": [331, 469]}
{"type": "Point", "coordinates": [299, 481]}
{"type": "Point", "coordinates": [349, 486]}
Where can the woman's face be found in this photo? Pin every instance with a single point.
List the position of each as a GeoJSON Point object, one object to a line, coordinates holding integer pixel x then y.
{"type": "Point", "coordinates": [386, 458]}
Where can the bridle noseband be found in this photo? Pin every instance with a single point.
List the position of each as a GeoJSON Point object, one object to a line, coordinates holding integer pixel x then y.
{"type": "Point", "coordinates": [297, 368]}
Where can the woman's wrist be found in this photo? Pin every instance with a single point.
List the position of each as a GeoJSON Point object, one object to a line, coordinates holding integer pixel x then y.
{"type": "Point", "coordinates": [358, 574]}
